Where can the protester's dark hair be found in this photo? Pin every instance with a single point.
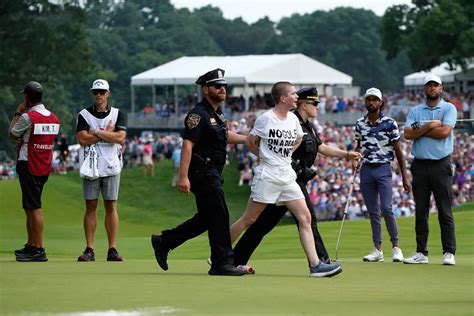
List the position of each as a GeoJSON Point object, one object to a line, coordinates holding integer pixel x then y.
{"type": "Point", "coordinates": [279, 89]}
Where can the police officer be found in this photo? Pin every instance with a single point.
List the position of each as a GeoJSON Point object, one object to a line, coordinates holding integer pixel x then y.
{"type": "Point", "coordinates": [203, 156]}
{"type": "Point", "coordinates": [303, 159]}
{"type": "Point", "coordinates": [34, 128]}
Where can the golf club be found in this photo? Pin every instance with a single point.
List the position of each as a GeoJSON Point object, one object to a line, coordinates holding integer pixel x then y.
{"type": "Point", "coordinates": [345, 211]}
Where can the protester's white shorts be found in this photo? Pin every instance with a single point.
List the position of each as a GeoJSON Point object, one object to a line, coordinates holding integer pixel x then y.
{"type": "Point", "coordinates": [275, 185]}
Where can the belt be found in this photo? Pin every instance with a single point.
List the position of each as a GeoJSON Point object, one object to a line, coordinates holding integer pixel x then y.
{"type": "Point", "coordinates": [375, 164]}
{"type": "Point", "coordinates": [432, 161]}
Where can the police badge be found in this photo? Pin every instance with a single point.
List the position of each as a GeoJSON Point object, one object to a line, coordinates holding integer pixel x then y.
{"type": "Point", "coordinates": [193, 120]}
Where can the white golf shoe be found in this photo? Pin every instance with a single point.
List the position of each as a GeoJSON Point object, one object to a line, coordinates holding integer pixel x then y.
{"type": "Point", "coordinates": [397, 255]}
{"type": "Point", "coordinates": [416, 258]}
{"type": "Point", "coordinates": [448, 259]}
{"type": "Point", "coordinates": [375, 256]}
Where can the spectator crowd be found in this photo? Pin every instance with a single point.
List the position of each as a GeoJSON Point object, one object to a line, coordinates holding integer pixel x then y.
{"type": "Point", "coordinates": [329, 189]}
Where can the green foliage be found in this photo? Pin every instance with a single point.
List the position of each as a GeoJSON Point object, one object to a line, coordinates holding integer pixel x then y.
{"type": "Point", "coordinates": [45, 42]}
{"type": "Point", "coordinates": [430, 32]}
{"type": "Point", "coordinates": [345, 38]}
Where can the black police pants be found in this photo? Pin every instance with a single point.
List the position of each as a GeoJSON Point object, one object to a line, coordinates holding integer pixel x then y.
{"type": "Point", "coordinates": [433, 176]}
{"type": "Point", "coordinates": [266, 222]}
{"type": "Point", "coordinates": [212, 215]}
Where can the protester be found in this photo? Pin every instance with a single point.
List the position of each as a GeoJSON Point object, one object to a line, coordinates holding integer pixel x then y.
{"type": "Point", "coordinates": [276, 134]}
{"type": "Point", "coordinates": [430, 126]}
{"type": "Point", "coordinates": [378, 138]}
{"type": "Point", "coordinates": [303, 157]}
{"type": "Point", "coordinates": [101, 128]}
{"type": "Point", "coordinates": [34, 128]}
{"type": "Point", "coordinates": [203, 156]}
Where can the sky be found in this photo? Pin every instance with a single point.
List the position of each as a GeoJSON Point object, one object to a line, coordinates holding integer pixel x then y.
{"type": "Point", "coordinates": [252, 10]}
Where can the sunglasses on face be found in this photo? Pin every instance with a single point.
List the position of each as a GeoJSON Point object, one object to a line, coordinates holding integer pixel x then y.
{"type": "Point", "coordinates": [218, 86]}
{"type": "Point", "coordinates": [312, 103]}
{"type": "Point", "coordinates": [101, 92]}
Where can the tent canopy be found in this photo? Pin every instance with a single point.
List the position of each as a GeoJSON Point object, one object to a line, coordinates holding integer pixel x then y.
{"type": "Point", "coordinates": [242, 70]}
{"type": "Point", "coordinates": [443, 71]}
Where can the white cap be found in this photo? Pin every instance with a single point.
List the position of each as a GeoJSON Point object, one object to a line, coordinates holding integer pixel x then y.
{"type": "Point", "coordinates": [373, 91]}
{"type": "Point", "coordinates": [431, 77]}
{"type": "Point", "coordinates": [100, 84]}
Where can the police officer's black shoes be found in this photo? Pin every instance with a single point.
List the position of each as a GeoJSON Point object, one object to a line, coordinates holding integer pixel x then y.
{"type": "Point", "coordinates": [34, 255]}
{"type": "Point", "coordinates": [161, 251]}
{"type": "Point", "coordinates": [228, 270]}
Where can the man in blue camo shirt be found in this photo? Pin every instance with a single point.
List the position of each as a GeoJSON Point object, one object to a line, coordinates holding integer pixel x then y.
{"type": "Point", "coordinates": [378, 138]}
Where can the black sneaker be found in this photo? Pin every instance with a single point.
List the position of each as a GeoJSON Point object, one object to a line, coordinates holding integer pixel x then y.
{"type": "Point", "coordinates": [112, 255]}
{"type": "Point", "coordinates": [161, 251]}
{"type": "Point", "coordinates": [87, 255]}
{"type": "Point", "coordinates": [23, 250]}
{"type": "Point", "coordinates": [227, 270]}
{"type": "Point", "coordinates": [34, 255]}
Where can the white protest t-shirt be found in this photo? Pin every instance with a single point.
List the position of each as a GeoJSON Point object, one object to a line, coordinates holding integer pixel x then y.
{"type": "Point", "coordinates": [277, 137]}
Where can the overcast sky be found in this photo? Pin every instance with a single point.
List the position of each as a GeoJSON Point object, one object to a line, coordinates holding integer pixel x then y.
{"type": "Point", "coordinates": [252, 10]}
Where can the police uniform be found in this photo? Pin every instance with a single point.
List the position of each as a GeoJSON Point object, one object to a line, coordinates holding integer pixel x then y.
{"type": "Point", "coordinates": [207, 129]}
{"type": "Point", "coordinates": [303, 158]}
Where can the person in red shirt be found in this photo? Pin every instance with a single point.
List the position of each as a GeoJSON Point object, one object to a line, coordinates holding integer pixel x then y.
{"type": "Point", "coordinates": [34, 128]}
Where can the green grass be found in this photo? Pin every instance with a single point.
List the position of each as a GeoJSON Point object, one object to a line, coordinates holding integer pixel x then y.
{"type": "Point", "coordinates": [280, 287]}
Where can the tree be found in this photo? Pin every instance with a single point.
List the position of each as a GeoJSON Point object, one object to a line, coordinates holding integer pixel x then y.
{"type": "Point", "coordinates": [430, 32]}
{"type": "Point", "coordinates": [347, 39]}
{"type": "Point", "coordinates": [45, 42]}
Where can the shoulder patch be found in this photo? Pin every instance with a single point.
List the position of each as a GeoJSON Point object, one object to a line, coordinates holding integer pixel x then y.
{"type": "Point", "coordinates": [193, 120]}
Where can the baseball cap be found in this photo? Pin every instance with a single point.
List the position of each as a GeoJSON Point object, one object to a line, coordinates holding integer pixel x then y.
{"type": "Point", "coordinates": [100, 84]}
{"type": "Point", "coordinates": [431, 77]}
{"type": "Point", "coordinates": [373, 91]}
{"type": "Point", "coordinates": [32, 88]}
{"type": "Point", "coordinates": [213, 76]}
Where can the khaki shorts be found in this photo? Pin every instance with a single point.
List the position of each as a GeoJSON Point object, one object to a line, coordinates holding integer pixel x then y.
{"type": "Point", "coordinates": [109, 186]}
{"type": "Point", "coordinates": [275, 185]}
{"type": "Point", "coordinates": [147, 160]}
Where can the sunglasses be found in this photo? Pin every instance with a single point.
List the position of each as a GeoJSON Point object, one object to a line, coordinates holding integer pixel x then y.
{"type": "Point", "coordinates": [313, 103]}
{"type": "Point", "coordinates": [101, 92]}
{"type": "Point", "coordinates": [218, 86]}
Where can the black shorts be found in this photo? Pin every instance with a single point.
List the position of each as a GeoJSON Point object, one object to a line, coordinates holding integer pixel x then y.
{"type": "Point", "coordinates": [31, 186]}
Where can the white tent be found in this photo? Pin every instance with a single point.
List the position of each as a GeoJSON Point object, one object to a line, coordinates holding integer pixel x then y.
{"type": "Point", "coordinates": [448, 77]}
{"type": "Point", "coordinates": [243, 71]}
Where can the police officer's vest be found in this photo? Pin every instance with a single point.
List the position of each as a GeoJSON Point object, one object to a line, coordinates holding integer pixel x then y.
{"type": "Point", "coordinates": [44, 130]}
{"type": "Point", "coordinates": [109, 154]}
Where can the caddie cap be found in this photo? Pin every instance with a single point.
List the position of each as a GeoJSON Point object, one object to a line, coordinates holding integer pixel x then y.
{"type": "Point", "coordinates": [32, 88]}
{"type": "Point", "coordinates": [100, 84]}
{"type": "Point", "coordinates": [210, 77]}
{"type": "Point", "coordinates": [373, 91]}
{"type": "Point", "coordinates": [431, 77]}
{"type": "Point", "coordinates": [309, 94]}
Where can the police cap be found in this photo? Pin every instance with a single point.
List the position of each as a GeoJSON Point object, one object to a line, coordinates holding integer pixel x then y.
{"type": "Point", "coordinates": [308, 94]}
{"type": "Point", "coordinates": [33, 89]}
{"type": "Point", "coordinates": [210, 77]}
